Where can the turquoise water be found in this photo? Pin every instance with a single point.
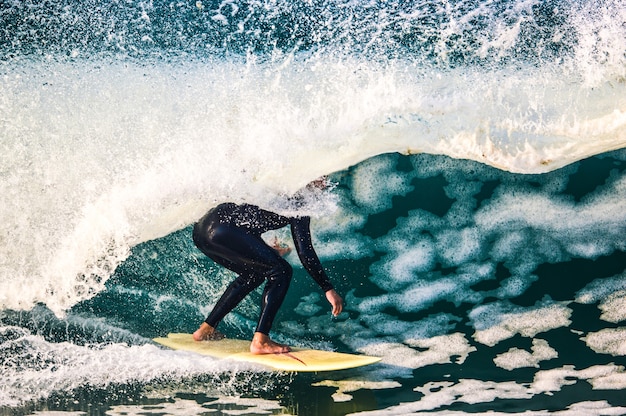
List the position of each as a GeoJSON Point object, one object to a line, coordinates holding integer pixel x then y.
{"type": "Point", "coordinates": [476, 225]}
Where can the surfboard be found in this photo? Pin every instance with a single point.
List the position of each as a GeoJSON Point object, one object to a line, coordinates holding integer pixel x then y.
{"type": "Point", "coordinates": [299, 359]}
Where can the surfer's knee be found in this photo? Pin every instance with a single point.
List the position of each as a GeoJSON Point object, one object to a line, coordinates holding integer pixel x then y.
{"type": "Point", "coordinates": [281, 272]}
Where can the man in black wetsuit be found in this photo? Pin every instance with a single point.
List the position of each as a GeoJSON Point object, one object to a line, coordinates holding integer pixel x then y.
{"type": "Point", "coordinates": [230, 234]}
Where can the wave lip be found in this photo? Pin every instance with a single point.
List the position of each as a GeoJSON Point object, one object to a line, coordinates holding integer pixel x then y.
{"type": "Point", "coordinates": [100, 156]}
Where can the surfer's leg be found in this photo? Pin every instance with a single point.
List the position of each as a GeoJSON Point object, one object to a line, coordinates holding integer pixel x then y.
{"type": "Point", "coordinates": [232, 296]}
{"type": "Point", "coordinates": [249, 256]}
{"type": "Point", "coordinates": [278, 279]}
{"type": "Point", "coordinates": [274, 293]}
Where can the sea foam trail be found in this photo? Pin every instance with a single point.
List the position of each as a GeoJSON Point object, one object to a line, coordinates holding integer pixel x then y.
{"type": "Point", "coordinates": [99, 156]}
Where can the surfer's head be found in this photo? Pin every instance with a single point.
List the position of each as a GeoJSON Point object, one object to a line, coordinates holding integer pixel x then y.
{"type": "Point", "coordinates": [320, 183]}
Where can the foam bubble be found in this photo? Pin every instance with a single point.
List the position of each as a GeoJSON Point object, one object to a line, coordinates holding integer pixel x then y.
{"type": "Point", "coordinates": [558, 227]}
{"type": "Point", "coordinates": [35, 368]}
{"type": "Point", "coordinates": [178, 406]}
{"type": "Point", "coordinates": [398, 270]}
{"type": "Point", "coordinates": [608, 341]}
{"type": "Point", "coordinates": [38, 368]}
{"type": "Point", "coordinates": [375, 181]}
{"type": "Point", "coordinates": [438, 394]}
{"type": "Point", "coordinates": [251, 405]}
{"type": "Point", "coordinates": [350, 385]}
{"type": "Point", "coordinates": [601, 289]}
{"type": "Point", "coordinates": [415, 297]}
{"type": "Point", "coordinates": [590, 408]}
{"type": "Point", "coordinates": [432, 325]}
{"type": "Point", "coordinates": [614, 380]}
{"type": "Point", "coordinates": [600, 33]}
{"type": "Point", "coordinates": [549, 381]}
{"type": "Point", "coordinates": [502, 320]}
{"type": "Point", "coordinates": [514, 286]}
{"type": "Point", "coordinates": [422, 294]}
{"type": "Point", "coordinates": [614, 307]}
{"type": "Point", "coordinates": [459, 246]}
{"type": "Point", "coordinates": [518, 358]}
{"type": "Point", "coordinates": [434, 350]}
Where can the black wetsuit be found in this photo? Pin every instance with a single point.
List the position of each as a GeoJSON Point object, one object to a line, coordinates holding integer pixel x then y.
{"type": "Point", "coordinates": [230, 234]}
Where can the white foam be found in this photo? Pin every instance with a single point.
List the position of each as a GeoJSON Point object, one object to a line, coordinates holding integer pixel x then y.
{"type": "Point", "coordinates": [438, 394]}
{"type": "Point", "coordinates": [176, 407]}
{"type": "Point", "coordinates": [427, 327]}
{"type": "Point", "coordinates": [456, 247]}
{"type": "Point", "coordinates": [600, 35]}
{"type": "Point", "coordinates": [36, 368]}
{"type": "Point", "coordinates": [610, 294]}
{"type": "Point", "coordinates": [415, 297]}
{"type": "Point", "coordinates": [251, 405]}
{"type": "Point", "coordinates": [520, 227]}
{"type": "Point", "coordinates": [350, 385]}
{"type": "Point", "coordinates": [435, 350]}
{"type": "Point", "coordinates": [518, 358]}
{"type": "Point", "coordinates": [614, 380]}
{"type": "Point", "coordinates": [335, 236]}
{"type": "Point", "coordinates": [65, 364]}
{"type": "Point", "coordinates": [408, 258]}
{"type": "Point", "coordinates": [498, 321]}
{"type": "Point", "coordinates": [601, 289]}
{"type": "Point", "coordinates": [610, 376]}
{"type": "Point", "coordinates": [584, 230]}
{"type": "Point", "coordinates": [608, 341]}
{"type": "Point", "coordinates": [375, 181]}
{"type": "Point", "coordinates": [514, 286]}
{"type": "Point", "coordinates": [183, 407]}
{"type": "Point", "coordinates": [588, 408]}
{"type": "Point", "coordinates": [614, 307]}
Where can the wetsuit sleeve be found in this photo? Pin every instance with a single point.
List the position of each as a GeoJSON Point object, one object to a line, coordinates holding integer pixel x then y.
{"type": "Point", "coordinates": [301, 232]}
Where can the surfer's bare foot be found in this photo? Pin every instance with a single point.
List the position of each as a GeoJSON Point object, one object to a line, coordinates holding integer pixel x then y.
{"type": "Point", "coordinates": [262, 344]}
{"type": "Point", "coordinates": [207, 333]}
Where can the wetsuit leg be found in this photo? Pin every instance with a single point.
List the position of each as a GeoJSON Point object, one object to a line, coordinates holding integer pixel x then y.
{"type": "Point", "coordinates": [254, 261]}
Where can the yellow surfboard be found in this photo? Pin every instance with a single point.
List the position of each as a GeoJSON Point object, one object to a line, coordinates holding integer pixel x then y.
{"type": "Point", "coordinates": [298, 359]}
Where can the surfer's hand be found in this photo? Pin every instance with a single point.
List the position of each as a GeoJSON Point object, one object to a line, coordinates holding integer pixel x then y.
{"type": "Point", "coordinates": [335, 300]}
{"type": "Point", "coordinates": [282, 248]}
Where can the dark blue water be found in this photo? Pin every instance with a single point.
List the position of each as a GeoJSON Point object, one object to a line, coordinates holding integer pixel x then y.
{"type": "Point", "coordinates": [516, 321]}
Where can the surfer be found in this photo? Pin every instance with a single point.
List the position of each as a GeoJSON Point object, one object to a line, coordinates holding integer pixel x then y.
{"type": "Point", "coordinates": [230, 234]}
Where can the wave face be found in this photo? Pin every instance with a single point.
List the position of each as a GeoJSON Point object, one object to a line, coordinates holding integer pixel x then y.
{"type": "Point", "coordinates": [476, 229]}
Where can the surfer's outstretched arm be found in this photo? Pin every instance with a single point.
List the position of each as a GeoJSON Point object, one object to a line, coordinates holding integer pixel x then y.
{"type": "Point", "coordinates": [301, 232]}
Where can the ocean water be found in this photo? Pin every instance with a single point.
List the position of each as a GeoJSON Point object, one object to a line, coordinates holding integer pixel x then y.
{"type": "Point", "coordinates": [476, 226]}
